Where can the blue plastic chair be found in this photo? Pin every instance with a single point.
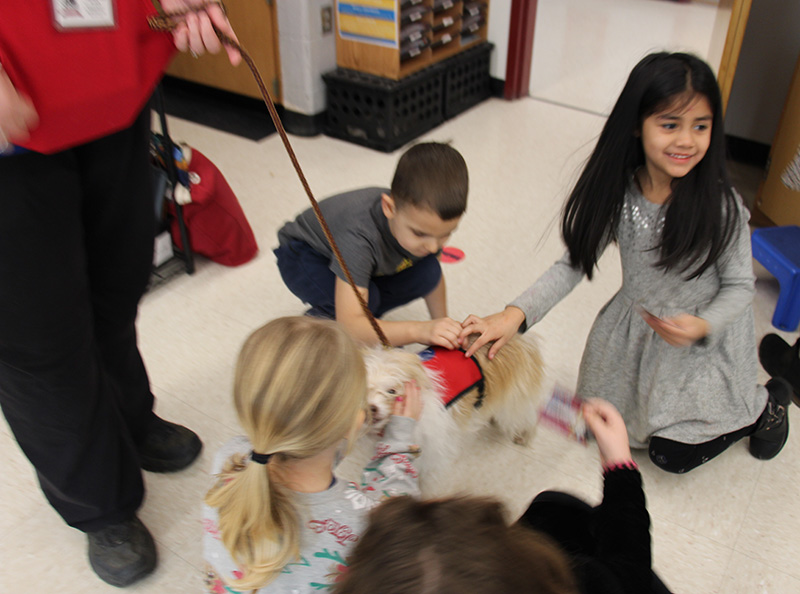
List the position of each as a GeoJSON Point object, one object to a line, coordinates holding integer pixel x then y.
{"type": "Point", "coordinates": [778, 250]}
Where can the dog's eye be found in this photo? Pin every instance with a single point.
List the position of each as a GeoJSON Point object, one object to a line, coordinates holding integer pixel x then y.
{"type": "Point", "coordinates": [391, 391]}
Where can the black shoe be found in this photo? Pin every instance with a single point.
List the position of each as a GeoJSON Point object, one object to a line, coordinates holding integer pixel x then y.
{"type": "Point", "coordinates": [781, 360]}
{"type": "Point", "coordinates": [772, 427]}
{"type": "Point", "coordinates": [122, 553]}
{"type": "Point", "coordinates": [167, 447]}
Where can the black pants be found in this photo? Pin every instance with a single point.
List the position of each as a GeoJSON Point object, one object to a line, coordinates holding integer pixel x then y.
{"type": "Point", "coordinates": [677, 457]}
{"type": "Point", "coordinates": [307, 274]}
{"type": "Point", "coordinates": [76, 241]}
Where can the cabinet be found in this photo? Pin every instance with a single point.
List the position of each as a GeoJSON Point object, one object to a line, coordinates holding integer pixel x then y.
{"type": "Point", "coordinates": [395, 38]}
{"type": "Point", "coordinates": [256, 26]}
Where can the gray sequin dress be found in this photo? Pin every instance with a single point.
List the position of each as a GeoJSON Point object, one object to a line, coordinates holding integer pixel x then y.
{"type": "Point", "coordinates": [687, 394]}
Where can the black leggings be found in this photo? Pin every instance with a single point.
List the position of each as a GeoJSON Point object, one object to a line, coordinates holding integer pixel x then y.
{"type": "Point", "coordinates": [677, 457]}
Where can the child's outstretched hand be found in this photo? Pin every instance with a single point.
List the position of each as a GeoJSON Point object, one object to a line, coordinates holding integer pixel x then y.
{"type": "Point", "coordinates": [441, 332]}
{"type": "Point", "coordinates": [608, 428]}
{"type": "Point", "coordinates": [679, 331]}
{"type": "Point", "coordinates": [408, 404]}
{"type": "Point", "coordinates": [499, 327]}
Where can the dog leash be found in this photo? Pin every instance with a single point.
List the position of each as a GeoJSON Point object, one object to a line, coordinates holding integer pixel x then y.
{"type": "Point", "coordinates": [165, 21]}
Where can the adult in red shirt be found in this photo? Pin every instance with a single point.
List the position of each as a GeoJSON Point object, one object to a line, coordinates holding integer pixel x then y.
{"type": "Point", "coordinates": [76, 240]}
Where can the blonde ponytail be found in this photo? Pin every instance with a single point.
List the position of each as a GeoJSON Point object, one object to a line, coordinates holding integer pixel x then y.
{"type": "Point", "coordinates": [300, 383]}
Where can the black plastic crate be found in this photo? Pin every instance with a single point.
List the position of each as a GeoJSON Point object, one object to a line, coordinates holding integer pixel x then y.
{"type": "Point", "coordinates": [381, 113]}
{"type": "Point", "coordinates": [466, 79]}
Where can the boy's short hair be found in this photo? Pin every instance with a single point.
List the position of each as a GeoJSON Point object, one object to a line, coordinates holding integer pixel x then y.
{"type": "Point", "coordinates": [434, 176]}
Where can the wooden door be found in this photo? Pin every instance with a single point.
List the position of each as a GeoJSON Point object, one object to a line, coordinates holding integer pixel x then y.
{"type": "Point", "coordinates": [256, 25]}
{"type": "Point", "coordinates": [739, 11]}
{"type": "Point", "coordinates": [780, 204]}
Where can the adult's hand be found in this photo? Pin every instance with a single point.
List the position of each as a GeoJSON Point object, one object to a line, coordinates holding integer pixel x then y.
{"type": "Point", "coordinates": [17, 114]}
{"type": "Point", "coordinates": [195, 32]}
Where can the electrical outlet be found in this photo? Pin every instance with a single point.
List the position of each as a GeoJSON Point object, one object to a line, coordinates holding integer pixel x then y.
{"type": "Point", "coordinates": [327, 19]}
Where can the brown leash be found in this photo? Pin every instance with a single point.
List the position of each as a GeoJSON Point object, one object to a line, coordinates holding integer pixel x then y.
{"type": "Point", "coordinates": [164, 21]}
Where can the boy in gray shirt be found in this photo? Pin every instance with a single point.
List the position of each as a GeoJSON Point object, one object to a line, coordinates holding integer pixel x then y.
{"type": "Point", "coordinates": [390, 240]}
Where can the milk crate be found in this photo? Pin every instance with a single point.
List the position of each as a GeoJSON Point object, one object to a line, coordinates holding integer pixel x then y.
{"type": "Point", "coordinates": [381, 113]}
{"type": "Point", "coordinates": [466, 79]}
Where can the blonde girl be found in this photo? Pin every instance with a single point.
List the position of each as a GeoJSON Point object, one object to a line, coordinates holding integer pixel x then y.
{"type": "Point", "coordinates": [277, 519]}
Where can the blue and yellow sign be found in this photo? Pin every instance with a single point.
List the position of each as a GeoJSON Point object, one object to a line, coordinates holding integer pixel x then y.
{"type": "Point", "coordinates": [370, 21]}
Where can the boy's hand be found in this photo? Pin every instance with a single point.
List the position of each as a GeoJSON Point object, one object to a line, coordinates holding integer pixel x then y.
{"type": "Point", "coordinates": [408, 404]}
{"type": "Point", "coordinates": [680, 331]}
{"type": "Point", "coordinates": [498, 327]}
{"type": "Point", "coordinates": [442, 332]}
{"type": "Point", "coordinates": [608, 428]}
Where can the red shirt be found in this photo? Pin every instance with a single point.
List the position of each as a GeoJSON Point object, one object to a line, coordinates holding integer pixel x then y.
{"type": "Point", "coordinates": [83, 84]}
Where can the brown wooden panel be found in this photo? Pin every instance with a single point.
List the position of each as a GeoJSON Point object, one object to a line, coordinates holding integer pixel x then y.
{"type": "Point", "coordinates": [775, 200]}
{"type": "Point", "coordinates": [255, 24]}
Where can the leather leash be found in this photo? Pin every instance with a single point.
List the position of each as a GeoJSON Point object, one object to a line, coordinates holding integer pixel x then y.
{"type": "Point", "coordinates": [164, 21]}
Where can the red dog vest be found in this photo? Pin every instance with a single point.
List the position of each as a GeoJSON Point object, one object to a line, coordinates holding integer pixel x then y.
{"type": "Point", "coordinates": [458, 373]}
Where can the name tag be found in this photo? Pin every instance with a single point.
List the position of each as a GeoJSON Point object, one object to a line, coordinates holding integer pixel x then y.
{"type": "Point", "coordinates": [71, 15]}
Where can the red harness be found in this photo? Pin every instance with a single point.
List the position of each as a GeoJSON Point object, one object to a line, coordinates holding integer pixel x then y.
{"type": "Point", "coordinates": [458, 373]}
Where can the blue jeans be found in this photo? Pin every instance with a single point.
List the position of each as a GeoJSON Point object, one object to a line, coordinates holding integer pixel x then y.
{"type": "Point", "coordinates": [307, 274]}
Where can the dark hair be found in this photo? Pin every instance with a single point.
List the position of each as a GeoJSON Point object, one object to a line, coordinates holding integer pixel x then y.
{"type": "Point", "coordinates": [452, 546]}
{"type": "Point", "coordinates": [701, 210]}
{"type": "Point", "coordinates": [432, 175]}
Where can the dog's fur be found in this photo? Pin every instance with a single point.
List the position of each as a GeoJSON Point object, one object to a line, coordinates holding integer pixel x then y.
{"type": "Point", "coordinates": [513, 380]}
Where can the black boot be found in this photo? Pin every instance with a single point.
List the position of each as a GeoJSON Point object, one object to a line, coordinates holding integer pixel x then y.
{"type": "Point", "coordinates": [772, 427]}
{"type": "Point", "coordinates": [781, 360]}
{"type": "Point", "coordinates": [167, 447]}
{"type": "Point", "coordinates": [122, 553]}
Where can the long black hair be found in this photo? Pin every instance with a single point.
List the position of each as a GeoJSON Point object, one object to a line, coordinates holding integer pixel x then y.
{"type": "Point", "coordinates": [700, 219]}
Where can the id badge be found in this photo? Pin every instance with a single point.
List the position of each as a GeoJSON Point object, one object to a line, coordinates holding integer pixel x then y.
{"type": "Point", "coordinates": [76, 15]}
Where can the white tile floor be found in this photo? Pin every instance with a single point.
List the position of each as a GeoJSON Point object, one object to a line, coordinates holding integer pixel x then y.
{"type": "Point", "coordinates": [730, 526]}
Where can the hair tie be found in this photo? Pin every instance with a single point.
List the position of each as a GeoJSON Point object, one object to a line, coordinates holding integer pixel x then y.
{"type": "Point", "coordinates": [260, 458]}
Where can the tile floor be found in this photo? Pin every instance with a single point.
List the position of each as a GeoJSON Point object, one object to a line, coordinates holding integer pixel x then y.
{"type": "Point", "coordinates": [731, 526]}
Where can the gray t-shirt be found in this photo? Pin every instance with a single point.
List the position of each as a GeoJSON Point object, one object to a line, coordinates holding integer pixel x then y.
{"type": "Point", "coordinates": [361, 231]}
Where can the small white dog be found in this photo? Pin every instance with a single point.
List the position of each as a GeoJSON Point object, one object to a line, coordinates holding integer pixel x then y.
{"type": "Point", "coordinates": [507, 397]}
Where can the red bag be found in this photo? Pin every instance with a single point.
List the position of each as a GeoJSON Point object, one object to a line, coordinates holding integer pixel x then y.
{"type": "Point", "coordinates": [214, 219]}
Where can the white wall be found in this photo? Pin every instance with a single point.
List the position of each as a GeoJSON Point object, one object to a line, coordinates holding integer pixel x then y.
{"type": "Point", "coordinates": [499, 22]}
{"type": "Point", "coordinates": [306, 54]}
{"type": "Point", "coordinates": [769, 54]}
{"type": "Point", "coordinates": [583, 50]}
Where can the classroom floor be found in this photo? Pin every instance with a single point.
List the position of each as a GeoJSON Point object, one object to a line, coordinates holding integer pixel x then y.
{"type": "Point", "coordinates": [730, 526]}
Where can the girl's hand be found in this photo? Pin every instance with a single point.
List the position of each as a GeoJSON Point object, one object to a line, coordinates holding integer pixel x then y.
{"type": "Point", "coordinates": [17, 114]}
{"type": "Point", "coordinates": [608, 428]}
{"type": "Point", "coordinates": [680, 331]}
{"type": "Point", "coordinates": [499, 327]}
{"type": "Point", "coordinates": [408, 404]}
{"type": "Point", "coordinates": [195, 32]}
{"type": "Point", "coordinates": [442, 332]}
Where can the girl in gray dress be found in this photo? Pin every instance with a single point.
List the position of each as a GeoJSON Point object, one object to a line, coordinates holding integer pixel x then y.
{"type": "Point", "coordinates": [674, 350]}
